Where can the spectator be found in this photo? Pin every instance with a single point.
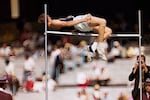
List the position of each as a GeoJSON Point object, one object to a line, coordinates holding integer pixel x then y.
{"type": "Point", "coordinates": [13, 80]}
{"type": "Point", "coordinates": [83, 52]}
{"type": "Point", "coordinates": [130, 52]}
{"type": "Point", "coordinates": [146, 92]}
{"type": "Point", "coordinates": [123, 96]}
{"type": "Point", "coordinates": [58, 64]}
{"type": "Point", "coordinates": [134, 75]}
{"type": "Point", "coordinates": [101, 75]}
{"type": "Point", "coordinates": [116, 51]}
{"type": "Point", "coordinates": [83, 95]}
{"type": "Point", "coordinates": [55, 51]}
{"type": "Point", "coordinates": [134, 51]}
{"type": "Point", "coordinates": [28, 68]}
{"type": "Point", "coordinates": [52, 85]}
{"type": "Point", "coordinates": [70, 57]}
{"type": "Point", "coordinates": [106, 96]}
{"type": "Point", "coordinates": [39, 84]}
{"type": "Point", "coordinates": [6, 51]}
{"type": "Point", "coordinates": [97, 95]}
{"type": "Point", "coordinates": [78, 95]}
{"type": "Point", "coordinates": [82, 79]}
{"type": "Point", "coordinates": [4, 95]}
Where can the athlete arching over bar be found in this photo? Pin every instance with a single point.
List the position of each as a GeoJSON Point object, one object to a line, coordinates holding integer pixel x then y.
{"type": "Point", "coordinates": [84, 23]}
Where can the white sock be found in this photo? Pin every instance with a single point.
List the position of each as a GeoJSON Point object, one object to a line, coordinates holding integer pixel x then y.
{"type": "Point", "coordinates": [102, 45]}
{"type": "Point", "coordinates": [94, 46]}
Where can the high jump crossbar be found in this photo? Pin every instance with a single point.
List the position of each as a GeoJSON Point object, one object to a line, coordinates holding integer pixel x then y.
{"type": "Point", "coordinates": [89, 34]}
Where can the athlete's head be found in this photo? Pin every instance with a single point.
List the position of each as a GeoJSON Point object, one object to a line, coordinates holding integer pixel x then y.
{"type": "Point", "coordinates": [41, 19]}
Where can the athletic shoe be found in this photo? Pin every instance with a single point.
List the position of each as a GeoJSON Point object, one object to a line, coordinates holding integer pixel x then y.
{"type": "Point", "coordinates": [89, 57]}
{"type": "Point", "coordinates": [90, 49]}
{"type": "Point", "coordinates": [90, 54]}
{"type": "Point", "coordinates": [101, 51]}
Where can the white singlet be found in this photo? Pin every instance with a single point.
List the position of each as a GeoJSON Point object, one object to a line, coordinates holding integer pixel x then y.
{"type": "Point", "coordinates": [83, 27]}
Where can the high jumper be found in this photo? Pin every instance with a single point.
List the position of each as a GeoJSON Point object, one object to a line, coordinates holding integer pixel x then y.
{"type": "Point", "coordinates": [84, 23]}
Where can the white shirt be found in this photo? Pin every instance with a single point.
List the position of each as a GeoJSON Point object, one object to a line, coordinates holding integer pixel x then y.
{"type": "Point", "coordinates": [81, 78]}
{"type": "Point", "coordinates": [115, 51]}
{"type": "Point", "coordinates": [53, 57]}
{"type": "Point", "coordinates": [5, 51]}
{"type": "Point", "coordinates": [29, 64]}
{"type": "Point", "coordinates": [105, 74]}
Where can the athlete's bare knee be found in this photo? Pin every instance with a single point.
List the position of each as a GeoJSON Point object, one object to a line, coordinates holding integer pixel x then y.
{"type": "Point", "coordinates": [108, 32]}
{"type": "Point", "coordinates": [103, 22]}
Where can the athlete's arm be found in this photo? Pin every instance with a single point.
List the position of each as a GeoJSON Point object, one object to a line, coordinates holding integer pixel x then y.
{"type": "Point", "coordinates": [67, 23]}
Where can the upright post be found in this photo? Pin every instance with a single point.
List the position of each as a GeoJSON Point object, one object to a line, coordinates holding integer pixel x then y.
{"type": "Point", "coordinates": [46, 63]}
{"type": "Point", "coordinates": [140, 72]}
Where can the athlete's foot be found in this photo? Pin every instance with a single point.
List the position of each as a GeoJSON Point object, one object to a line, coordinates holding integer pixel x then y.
{"type": "Point", "coordinates": [90, 49]}
{"type": "Point", "coordinates": [90, 54]}
{"type": "Point", "coordinates": [89, 57]}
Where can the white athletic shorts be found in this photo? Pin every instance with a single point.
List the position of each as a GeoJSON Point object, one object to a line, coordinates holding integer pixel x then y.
{"type": "Point", "coordinates": [83, 27]}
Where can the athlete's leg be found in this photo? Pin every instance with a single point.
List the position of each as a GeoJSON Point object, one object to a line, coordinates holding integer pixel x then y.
{"type": "Point", "coordinates": [108, 32]}
{"type": "Point", "coordinates": [99, 26]}
{"type": "Point", "coordinates": [104, 33]}
{"type": "Point", "coordinates": [101, 37]}
{"type": "Point", "coordinates": [101, 47]}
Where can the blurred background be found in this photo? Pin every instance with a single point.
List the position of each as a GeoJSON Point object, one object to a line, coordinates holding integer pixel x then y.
{"type": "Point", "coordinates": [21, 35]}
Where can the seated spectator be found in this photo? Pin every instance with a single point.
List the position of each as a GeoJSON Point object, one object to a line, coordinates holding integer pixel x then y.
{"type": "Point", "coordinates": [52, 84]}
{"type": "Point", "coordinates": [28, 68]}
{"type": "Point", "coordinates": [82, 79]}
{"type": "Point", "coordinates": [146, 91]}
{"type": "Point", "coordinates": [4, 95]}
{"type": "Point", "coordinates": [97, 95]}
{"type": "Point", "coordinates": [84, 53]}
{"type": "Point", "coordinates": [13, 80]}
{"type": "Point", "coordinates": [101, 75]}
{"type": "Point", "coordinates": [84, 95]}
{"type": "Point", "coordinates": [39, 84]}
{"type": "Point", "coordinates": [70, 56]}
{"type": "Point", "coordinates": [130, 53]}
{"type": "Point", "coordinates": [123, 96]}
{"type": "Point", "coordinates": [6, 51]}
{"type": "Point", "coordinates": [117, 51]}
{"type": "Point", "coordinates": [106, 96]}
